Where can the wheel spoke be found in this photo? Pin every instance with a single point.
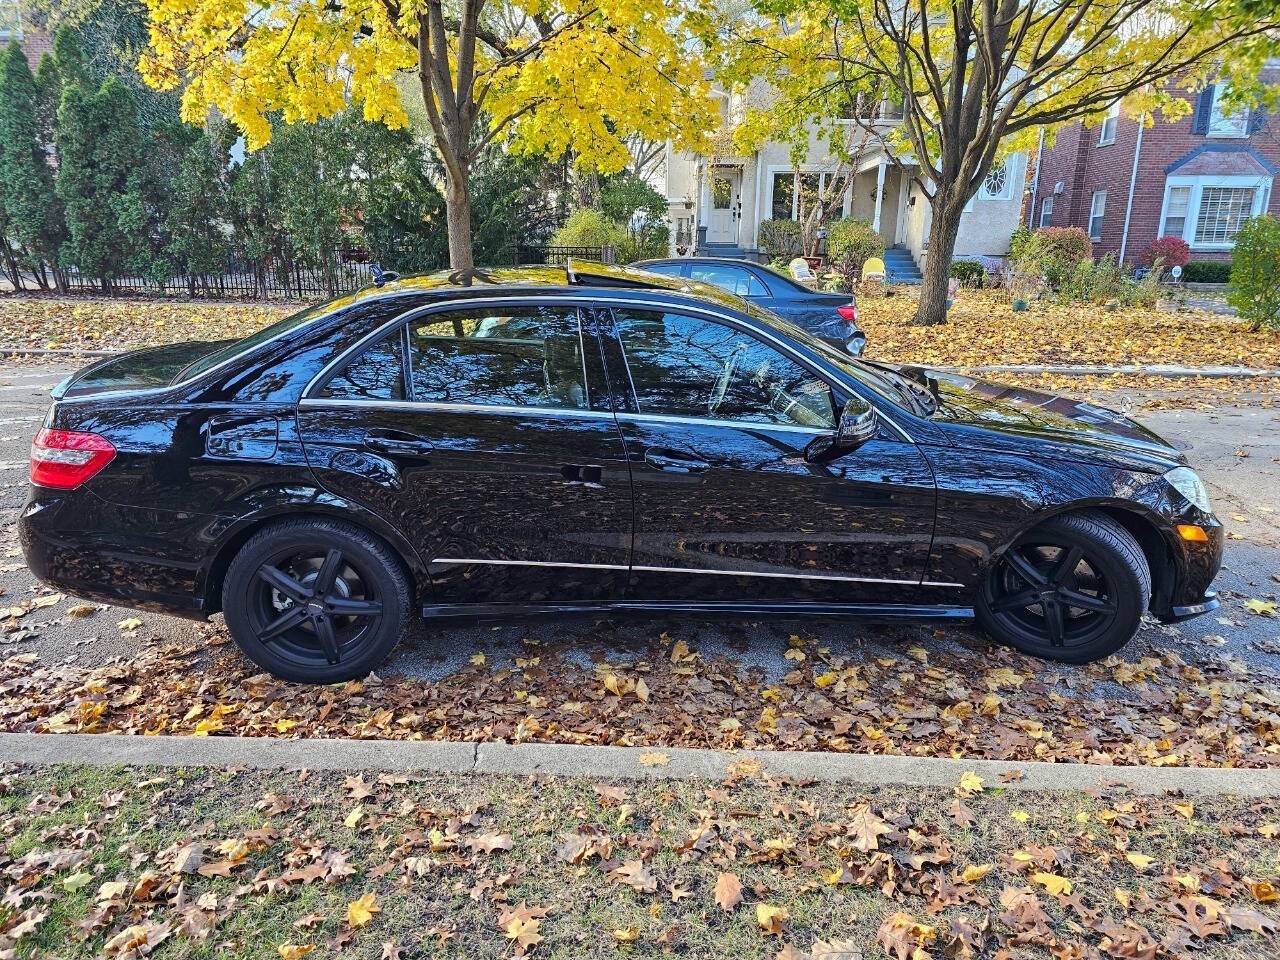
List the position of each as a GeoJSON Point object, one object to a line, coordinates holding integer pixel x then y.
{"type": "Point", "coordinates": [290, 587]}
{"type": "Point", "coordinates": [346, 607]}
{"type": "Point", "coordinates": [1013, 601]}
{"type": "Point", "coordinates": [1071, 557]}
{"type": "Point", "coordinates": [286, 621]}
{"type": "Point", "coordinates": [328, 642]}
{"type": "Point", "coordinates": [1085, 601]}
{"type": "Point", "coordinates": [1053, 621]}
{"type": "Point", "coordinates": [1024, 568]}
{"type": "Point", "coordinates": [328, 572]}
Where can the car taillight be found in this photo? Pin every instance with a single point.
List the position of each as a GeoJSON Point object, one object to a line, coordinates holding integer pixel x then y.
{"type": "Point", "coordinates": [849, 312]}
{"type": "Point", "coordinates": [64, 459]}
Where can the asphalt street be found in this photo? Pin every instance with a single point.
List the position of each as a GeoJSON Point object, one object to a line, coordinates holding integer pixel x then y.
{"type": "Point", "coordinates": [1236, 449]}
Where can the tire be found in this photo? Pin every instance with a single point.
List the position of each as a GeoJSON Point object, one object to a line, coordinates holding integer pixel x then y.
{"type": "Point", "coordinates": [1026, 599]}
{"type": "Point", "coordinates": [284, 618]}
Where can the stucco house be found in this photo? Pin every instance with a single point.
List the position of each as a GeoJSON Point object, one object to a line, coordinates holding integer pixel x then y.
{"type": "Point", "coordinates": [1199, 178]}
{"type": "Point", "coordinates": [716, 202]}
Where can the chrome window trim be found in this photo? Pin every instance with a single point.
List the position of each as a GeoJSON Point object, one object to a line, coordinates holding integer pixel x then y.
{"type": "Point", "coordinates": [683, 570]}
{"type": "Point", "coordinates": [434, 406]}
{"type": "Point", "coordinates": [735, 424]}
{"type": "Point", "coordinates": [579, 301]}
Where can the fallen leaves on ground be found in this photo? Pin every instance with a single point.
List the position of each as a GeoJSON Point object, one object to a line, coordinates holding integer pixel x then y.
{"type": "Point", "coordinates": [1207, 708]}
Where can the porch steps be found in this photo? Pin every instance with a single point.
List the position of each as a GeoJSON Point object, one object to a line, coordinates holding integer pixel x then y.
{"type": "Point", "coordinates": [731, 250]}
{"type": "Point", "coordinates": [900, 266]}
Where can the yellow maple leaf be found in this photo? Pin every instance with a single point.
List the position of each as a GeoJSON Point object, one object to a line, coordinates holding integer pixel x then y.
{"type": "Point", "coordinates": [1264, 608]}
{"type": "Point", "coordinates": [1140, 861]}
{"type": "Point", "coordinates": [1186, 809]}
{"type": "Point", "coordinates": [1057, 886]}
{"type": "Point", "coordinates": [970, 783]}
{"type": "Point", "coordinates": [976, 871]}
{"type": "Point", "coordinates": [825, 679]}
{"type": "Point", "coordinates": [290, 951]}
{"type": "Point", "coordinates": [654, 758]}
{"type": "Point", "coordinates": [1021, 816]}
{"type": "Point", "coordinates": [770, 919]}
{"type": "Point", "coordinates": [361, 911]}
{"type": "Point", "coordinates": [627, 935]}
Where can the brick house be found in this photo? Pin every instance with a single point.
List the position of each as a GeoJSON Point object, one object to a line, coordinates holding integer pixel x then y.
{"type": "Point", "coordinates": [35, 43]}
{"type": "Point", "coordinates": [1199, 178]}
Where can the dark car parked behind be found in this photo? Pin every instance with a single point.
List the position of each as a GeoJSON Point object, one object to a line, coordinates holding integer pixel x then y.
{"type": "Point", "coordinates": [831, 316]}
{"type": "Point", "coordinates": [552, 441]}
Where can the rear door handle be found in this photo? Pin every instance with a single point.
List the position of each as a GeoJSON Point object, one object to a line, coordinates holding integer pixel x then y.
{"type": "Point", "coordinates": [673, 461]}
{"type": "Point", "coordinates": [397, 442]}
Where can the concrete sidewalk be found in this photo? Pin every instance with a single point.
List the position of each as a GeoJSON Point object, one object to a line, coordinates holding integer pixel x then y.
{"type": "Point", "coordinates": [612, 762]}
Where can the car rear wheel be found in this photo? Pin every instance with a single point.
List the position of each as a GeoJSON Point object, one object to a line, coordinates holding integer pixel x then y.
{"type": "Point", "coordinates": [1073, 589]}
{"type": "Point", "coordinates": [315, 601]}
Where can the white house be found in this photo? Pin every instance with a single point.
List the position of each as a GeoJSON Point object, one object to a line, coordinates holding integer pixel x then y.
{"type": "Point", "coordinates": [716, 203]}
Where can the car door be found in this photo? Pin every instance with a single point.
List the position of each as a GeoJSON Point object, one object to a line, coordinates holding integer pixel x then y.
{"type": "Point", "coordinates": [727, 505]}
{"type": "Point", "coordinates": [475, 432]}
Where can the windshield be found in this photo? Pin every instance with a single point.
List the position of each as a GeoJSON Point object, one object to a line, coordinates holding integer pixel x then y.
{"type": "Point", "coordinates": [237, 347]}
{"type": "Point", "coordinates": [881, 381]}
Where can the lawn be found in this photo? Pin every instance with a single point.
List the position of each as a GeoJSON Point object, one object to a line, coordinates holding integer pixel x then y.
{"type": "Point", "coordinates": [202, 863]}
{"type": "Point", "coordinates": [982, 329]}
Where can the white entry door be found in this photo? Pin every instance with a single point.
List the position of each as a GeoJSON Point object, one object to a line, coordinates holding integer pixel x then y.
{"type": "Point", "coordinates": [722, 224]}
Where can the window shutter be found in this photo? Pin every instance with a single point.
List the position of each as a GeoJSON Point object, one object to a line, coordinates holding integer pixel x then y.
{"type": "Point", "coordinates": [1257, 119]}
{"type": "Point", "coordinates": [1204, 103]}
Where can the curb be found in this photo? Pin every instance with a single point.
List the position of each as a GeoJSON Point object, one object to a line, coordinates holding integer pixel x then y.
{"type": "Point", "coordinates": [612, 762]}
{"type": "Point", "coordinates": [1172, 371]}
{"type": "Point", "coordinates": [55, 352]}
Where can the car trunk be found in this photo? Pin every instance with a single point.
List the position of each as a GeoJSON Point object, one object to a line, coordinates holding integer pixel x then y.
{"type": "Point", "coordinates": [143, 369]}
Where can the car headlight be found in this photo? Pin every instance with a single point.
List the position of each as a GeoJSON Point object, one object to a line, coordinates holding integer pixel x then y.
{"type": "Point", "coordinates": [1188, 483]}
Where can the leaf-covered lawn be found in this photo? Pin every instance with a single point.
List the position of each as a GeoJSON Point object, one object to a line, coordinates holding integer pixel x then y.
{"type": "Point", "coordinates": [121, 324]}
{"type": "Point", "coordinates": [1191, 705]}
{"type": "Point", "coordinates": [982, 329]}
{"type": "Point", "coordinates": [200, 863]}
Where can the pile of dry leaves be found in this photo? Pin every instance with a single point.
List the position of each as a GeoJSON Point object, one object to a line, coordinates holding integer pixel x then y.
{"type": "Point", "coordinates": [957, 699]}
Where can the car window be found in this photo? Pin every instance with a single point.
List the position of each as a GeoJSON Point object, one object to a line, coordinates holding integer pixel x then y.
{"type": "Point", "coordinates": [690, 367]}
{"type": "Point", "coordinates": [375, 374]}
{"type": "Point", "coordinates": [734, 279]}
{"type": "Point", "coordinates": [668, 269]}
{"type": "Point", "coordinates": [502, 356]}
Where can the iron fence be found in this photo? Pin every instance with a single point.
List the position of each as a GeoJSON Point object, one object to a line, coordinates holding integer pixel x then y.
{"type": "Point", "coordinates": [556, 256]}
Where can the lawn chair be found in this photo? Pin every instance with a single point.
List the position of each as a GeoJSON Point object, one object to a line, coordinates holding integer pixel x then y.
{"type": "Point", "coordinates": [873, 269]}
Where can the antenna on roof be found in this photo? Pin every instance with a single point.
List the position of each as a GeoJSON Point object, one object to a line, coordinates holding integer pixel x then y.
{"type": "Point", "coordinates": [570, 277]}
{"type": "Point", "coordinates": [381, 276]}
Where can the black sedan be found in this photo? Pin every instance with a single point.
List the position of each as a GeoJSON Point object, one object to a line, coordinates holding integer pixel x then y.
{"type": "Point", "coordinates": [541, 441]}
{"type": "Point", "coordinates": [831, 316]}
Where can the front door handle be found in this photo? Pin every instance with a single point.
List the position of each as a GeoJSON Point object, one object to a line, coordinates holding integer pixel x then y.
{"type": "Point", "coordinates": [397, 442]}
{"type": "Point", "coordinates": [673, 461]}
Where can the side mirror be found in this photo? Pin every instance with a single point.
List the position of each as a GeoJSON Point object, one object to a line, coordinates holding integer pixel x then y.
{"type": "Point", "coordinates": [858, 424]}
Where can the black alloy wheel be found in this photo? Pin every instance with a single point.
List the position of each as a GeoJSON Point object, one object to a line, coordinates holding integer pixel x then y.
{"type": "Point", "coordinates": [316, 601]}
{"type": "Point", "coordinates": [1075, 589]}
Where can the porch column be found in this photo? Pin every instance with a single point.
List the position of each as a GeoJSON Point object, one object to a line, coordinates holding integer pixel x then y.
{"type": "Point", "coordinates": [880, 169]}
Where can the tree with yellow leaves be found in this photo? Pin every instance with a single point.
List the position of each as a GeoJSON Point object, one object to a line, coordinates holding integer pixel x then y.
{"type": "Point", "coordinates": [977, 79]}
{"type": "Point", "coordinates": [541, 76]}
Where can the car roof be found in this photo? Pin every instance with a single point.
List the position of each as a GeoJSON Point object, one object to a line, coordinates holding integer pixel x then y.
{"type": "Point", "coordinates": [726, 261]}
{"type": "Point", "coordinates": [577, 277]}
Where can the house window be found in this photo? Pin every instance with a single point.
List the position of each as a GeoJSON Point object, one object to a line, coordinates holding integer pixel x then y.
{"type": "Point", "coordinates": [999, 182]}
{"type": "Point", "coordinates": [1175, 212]}
{"type": "Point", "coordinates": [1223, 211]}
{"type": "Point", "coordinates": [1046, 211]}
{"type": "Point", "coordinates": [784, 196]}
{"type": "Point", "coordinates": [10, 21]}
{"type": "Point", "coordinates": [1224, 123]}
{"type": "Point", "coordinates": [1097, 210]}
{"type": "Point", "coordinates": [1109, 124]}
{"type": "Point", "coordinates": [787, 201]}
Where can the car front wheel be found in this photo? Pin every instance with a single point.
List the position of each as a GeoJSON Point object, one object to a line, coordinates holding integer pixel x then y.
{"type": "Point", "coordinates": [1073, 589]}
{"type": "Point", "coordinates": [315, 601]}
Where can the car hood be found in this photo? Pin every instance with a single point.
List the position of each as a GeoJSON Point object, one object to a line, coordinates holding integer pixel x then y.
{"type": "Point", "coordinates": [995, 415]}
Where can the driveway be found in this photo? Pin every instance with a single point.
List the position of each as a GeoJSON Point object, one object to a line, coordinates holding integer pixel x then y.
{"type": "Point", "coordinates": [1236, 449]}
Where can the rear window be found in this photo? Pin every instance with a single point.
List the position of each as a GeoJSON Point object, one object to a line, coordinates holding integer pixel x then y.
{"type": "Point", "coordinates": [237, 347]}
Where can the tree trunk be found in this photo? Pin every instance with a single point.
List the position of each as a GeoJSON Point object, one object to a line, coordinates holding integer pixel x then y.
{"type": "Point", "coordinates": [943, 231]}
{"type": "Point", "coordinates": [457, 206]}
